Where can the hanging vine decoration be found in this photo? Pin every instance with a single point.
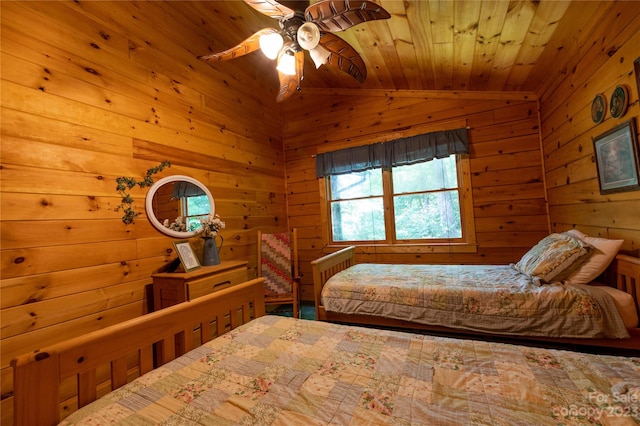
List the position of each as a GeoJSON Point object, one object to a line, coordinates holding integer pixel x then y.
{"type": "Point", "coordinates": [126, 183]}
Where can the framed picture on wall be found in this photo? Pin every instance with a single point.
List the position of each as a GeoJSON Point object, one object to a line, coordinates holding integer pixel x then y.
{"type": "Point", "coordinates": [616, 153]}
{"type": "Point", "coordinates": [187, 256]}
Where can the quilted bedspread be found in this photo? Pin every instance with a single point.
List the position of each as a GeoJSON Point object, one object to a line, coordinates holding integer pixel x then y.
{"type": "Point", "coordinates": [285, 371]}
{"type": "Point", "coordinates": [485, 298]}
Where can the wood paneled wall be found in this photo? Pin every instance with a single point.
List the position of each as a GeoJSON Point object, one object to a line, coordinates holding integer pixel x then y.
{"type": "Point", "coordinates": [510, 182]}
{"type": "Point", "coordinates": [96, 90]}
{"type": "Point", "coordinates": [505, 156]}
{"type": "Point", "coordinates": [597, 64]}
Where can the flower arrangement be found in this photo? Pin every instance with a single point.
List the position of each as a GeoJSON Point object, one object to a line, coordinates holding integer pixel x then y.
{"type": "Point", "coordinates": [177, 225]}
{"type": "Point", "coordinates": [211, 224]}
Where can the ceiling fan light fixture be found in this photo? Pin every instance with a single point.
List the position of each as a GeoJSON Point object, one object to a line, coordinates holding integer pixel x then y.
{"type": "Point", "coordinates": [270, 44]}
{"type": "Point", "coordinates": [320, 56]}
{"type": "Point", "coordinates": [308, 35]}
{"type": "Point", "coordinates": [286, 64]}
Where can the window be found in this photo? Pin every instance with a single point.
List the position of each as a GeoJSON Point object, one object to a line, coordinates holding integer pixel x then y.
{"type": "Point", "coordinates": [193, 208]}
{"type": "Point", "coordinates": [425, 203]}
{"type": "Point", "coordinates": [357, 206]}
{"type": "Point", "coordinates": [413, 190]}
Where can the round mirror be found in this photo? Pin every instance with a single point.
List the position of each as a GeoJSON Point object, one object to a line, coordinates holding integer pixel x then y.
{"type": "Point", "coordinates": [174, 205]}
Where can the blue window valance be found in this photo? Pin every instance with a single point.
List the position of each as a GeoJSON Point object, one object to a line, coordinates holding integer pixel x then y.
{"type": "Point", "coordinates": [398, 152]}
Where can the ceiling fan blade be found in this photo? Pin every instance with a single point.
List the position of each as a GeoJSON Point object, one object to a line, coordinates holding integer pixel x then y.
{"type": "Point", "coordinates": [249, 45]}
{"type": "Point", "coordinates": [343, 56]}
{"type": "Point", "coordinates": [333, 15]}
{"type": "Point", "coordinates": [271, 8]}
{"type": "Point", "coordinates": [289, 84]}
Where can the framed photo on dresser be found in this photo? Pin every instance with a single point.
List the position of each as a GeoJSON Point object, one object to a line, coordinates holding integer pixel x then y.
{"type": "Point", "coordinates": [616, 153]}
{"type": "Point", "coordinates": [187, 256]}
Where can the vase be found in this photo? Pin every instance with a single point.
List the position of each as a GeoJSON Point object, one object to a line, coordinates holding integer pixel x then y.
{"type": "Point", "coordinates": [210, 252]}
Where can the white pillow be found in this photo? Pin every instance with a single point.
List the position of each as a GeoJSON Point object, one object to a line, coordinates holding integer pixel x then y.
{"type": "Point", "coordinates": [602, 253]}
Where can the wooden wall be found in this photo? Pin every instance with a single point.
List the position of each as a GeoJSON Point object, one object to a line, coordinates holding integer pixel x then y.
{"type": "Point", "coordinates": [506, 164]}
{"type": "Point", "coordinates": [511, 184]}
{"type": "Point", "coordinates": [593, 63]}
{"type": "Point", "coordinates": [96, 90]}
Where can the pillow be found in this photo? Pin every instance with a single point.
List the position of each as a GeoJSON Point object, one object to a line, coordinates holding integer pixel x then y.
{"type": "Point", "coordinates": [603, 251]}
{"type": "Point", "coordinates": [551, 256]}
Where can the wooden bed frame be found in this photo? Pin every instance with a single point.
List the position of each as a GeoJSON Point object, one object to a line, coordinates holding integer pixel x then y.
{"type": "Point", "coordinates": [624, 274]}
{"type": "Point", "coordinates": [52, 382]}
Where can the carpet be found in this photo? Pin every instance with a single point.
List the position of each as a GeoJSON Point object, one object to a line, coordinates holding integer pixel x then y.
{"type": "Point", "coordinates": [307, 310]}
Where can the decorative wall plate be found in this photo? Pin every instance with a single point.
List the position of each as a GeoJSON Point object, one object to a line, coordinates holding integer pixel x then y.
{"type": "Point", "coordinates": [619, 102]}
{"type": "Point", "coordinates": [598, 108]}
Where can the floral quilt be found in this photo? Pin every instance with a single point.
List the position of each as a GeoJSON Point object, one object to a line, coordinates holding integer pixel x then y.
{"type": "Point", "coordinates": [285, 371]}
{"type": "Point", "coordinates": [482, 298]}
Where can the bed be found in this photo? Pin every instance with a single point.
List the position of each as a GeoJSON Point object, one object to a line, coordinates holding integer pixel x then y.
{"type": "Point", "coordinates": [270, 370]}
{"type": "Point", "coordinates": [490, 300]}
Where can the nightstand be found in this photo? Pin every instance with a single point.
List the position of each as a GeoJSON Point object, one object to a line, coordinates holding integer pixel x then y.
{"type": "Point", "coordinates": [170, 288]}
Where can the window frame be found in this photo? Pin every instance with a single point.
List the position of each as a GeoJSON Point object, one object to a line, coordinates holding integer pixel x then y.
{"type": "Point", "coordinates": [184, 208]}
{"type": "Point", "coordinates": [466, 244]}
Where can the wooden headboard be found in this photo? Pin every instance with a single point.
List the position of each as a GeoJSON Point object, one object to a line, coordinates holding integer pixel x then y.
{"type": "Point", "coordinates": [624, 274]}
{"type": "Point", "coordinates": [106, 353]}
{"type": "Point", "coordinates": [325, 267]}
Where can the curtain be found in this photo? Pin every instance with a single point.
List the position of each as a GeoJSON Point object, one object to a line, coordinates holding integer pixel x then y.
{"type": "Point", "coordinates": [185, 189]}
{"type": "Point", "coordinates": [356, 159]}
{"type": "Point", "coordinates": [398, 152]}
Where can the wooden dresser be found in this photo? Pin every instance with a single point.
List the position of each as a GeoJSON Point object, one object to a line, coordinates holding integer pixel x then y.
{"type": "Point", "coordinates": [170, 288]}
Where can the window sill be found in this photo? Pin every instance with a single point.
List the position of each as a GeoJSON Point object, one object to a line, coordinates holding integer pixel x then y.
{"type": "Point", "coordinates": [406, 248]}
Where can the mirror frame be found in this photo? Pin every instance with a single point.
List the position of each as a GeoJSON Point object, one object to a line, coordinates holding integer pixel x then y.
{"type": "Point", "coordinates": [154, 220]}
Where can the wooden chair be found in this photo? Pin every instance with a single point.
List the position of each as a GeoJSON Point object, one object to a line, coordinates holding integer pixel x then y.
{"type": "Point", "coordinates": [278, 264]}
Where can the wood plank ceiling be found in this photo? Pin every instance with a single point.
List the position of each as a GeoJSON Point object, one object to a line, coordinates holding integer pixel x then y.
{"type": "Point", "coordinates": [478, 45]}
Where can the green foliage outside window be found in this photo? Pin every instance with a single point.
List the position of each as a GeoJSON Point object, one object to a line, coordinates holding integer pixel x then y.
{"type": "Point", "coordinates": [196, 207]}
{"type": "Point", "coordinates": [425, 200]}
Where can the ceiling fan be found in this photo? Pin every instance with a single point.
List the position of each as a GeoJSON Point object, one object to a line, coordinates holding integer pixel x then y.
{"type": "Point", "coordinates": [310, 30]}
